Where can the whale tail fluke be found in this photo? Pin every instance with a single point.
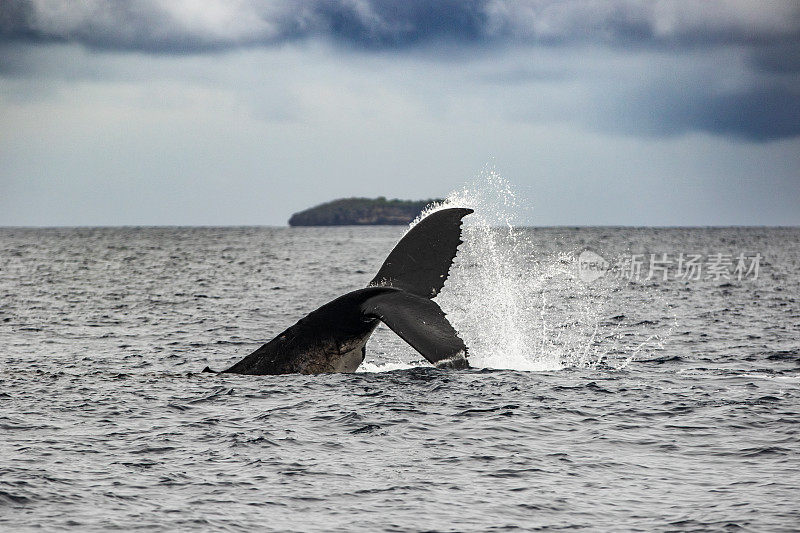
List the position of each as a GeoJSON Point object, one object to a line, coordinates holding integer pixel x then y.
{"type": "Point", "coordinates": [422, 324]}
{"type": "Point", "coordinates": [333, 337]}
{"type": "Point", "coordinates": [419, 265]}
{"type": "Point", "coordinates": [421, 261]}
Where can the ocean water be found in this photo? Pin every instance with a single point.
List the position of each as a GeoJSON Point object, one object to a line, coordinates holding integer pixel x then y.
{"type": "Point", "coordinates": [616, 404]}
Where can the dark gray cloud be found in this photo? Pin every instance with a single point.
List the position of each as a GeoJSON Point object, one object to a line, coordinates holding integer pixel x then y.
{"type": "Point", "coordinates": [766, 35]}
{"type": "Point", "coordinates": [764, 110]}
{"type": "Point", "coordinates": [760, 113]}
{"type": "Point", "coordinates": [170, 27]}
{"type": "Point", "coordinates": [162, 26]}
{"type": "Point", "coordinates": [779, 58]}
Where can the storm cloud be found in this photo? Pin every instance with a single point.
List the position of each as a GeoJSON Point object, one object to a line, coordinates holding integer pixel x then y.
{"type": "Point", "coordinates": [762, 104]}
{"type": "Point", "coordinates": [169, 26]}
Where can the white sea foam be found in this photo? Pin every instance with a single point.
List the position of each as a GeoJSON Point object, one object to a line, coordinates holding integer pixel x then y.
{"type": "Point", "coordinates": [371, 366]}
{"type": "Point", "coordinates": [522, 310]}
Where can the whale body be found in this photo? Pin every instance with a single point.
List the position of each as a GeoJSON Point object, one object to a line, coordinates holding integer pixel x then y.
{"type": "Point", "coordinates": [333, 338]}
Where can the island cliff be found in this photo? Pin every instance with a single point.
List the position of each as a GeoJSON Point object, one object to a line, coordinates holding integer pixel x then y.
{"type": "Point", "coordinates": [361, 212]}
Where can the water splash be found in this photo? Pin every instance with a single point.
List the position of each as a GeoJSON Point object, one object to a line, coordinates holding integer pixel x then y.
{"type": "Point", "coordinates": [518, 308]}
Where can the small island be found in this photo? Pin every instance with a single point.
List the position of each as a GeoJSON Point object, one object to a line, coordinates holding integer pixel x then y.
{"type": "Point", "coordinates": [361, 212]}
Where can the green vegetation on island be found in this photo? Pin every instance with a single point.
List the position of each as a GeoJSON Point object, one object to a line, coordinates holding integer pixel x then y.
{"type": "Point", "coordinates": [361, 212]}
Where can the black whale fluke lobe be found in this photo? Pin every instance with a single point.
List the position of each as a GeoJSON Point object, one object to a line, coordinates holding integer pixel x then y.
{"type": "Point", "coordinates": [420, 262]}
{"type": "Point", "coordinates": [333, 338]}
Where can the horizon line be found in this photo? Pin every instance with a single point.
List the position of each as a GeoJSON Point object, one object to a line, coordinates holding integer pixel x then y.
{"type": "Point", "coordinates": [286, 226]}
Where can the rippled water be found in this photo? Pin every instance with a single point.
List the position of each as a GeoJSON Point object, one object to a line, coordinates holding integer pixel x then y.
{"type": "Point", "coordinates": [635, 405]}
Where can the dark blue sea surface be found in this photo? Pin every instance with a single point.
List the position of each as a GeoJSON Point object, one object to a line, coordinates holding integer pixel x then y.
{"type": "Point", "coordinates": [613, 405]}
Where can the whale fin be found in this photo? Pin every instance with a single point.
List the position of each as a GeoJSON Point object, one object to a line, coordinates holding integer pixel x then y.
{"type": "Point", "coordinates": [420, 262]}
{"type": "Point", "coordinates": [422, 324]}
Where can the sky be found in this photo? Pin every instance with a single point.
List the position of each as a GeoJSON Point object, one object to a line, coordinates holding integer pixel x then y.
{"type": "Point", "coordinates": [241, 112]}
